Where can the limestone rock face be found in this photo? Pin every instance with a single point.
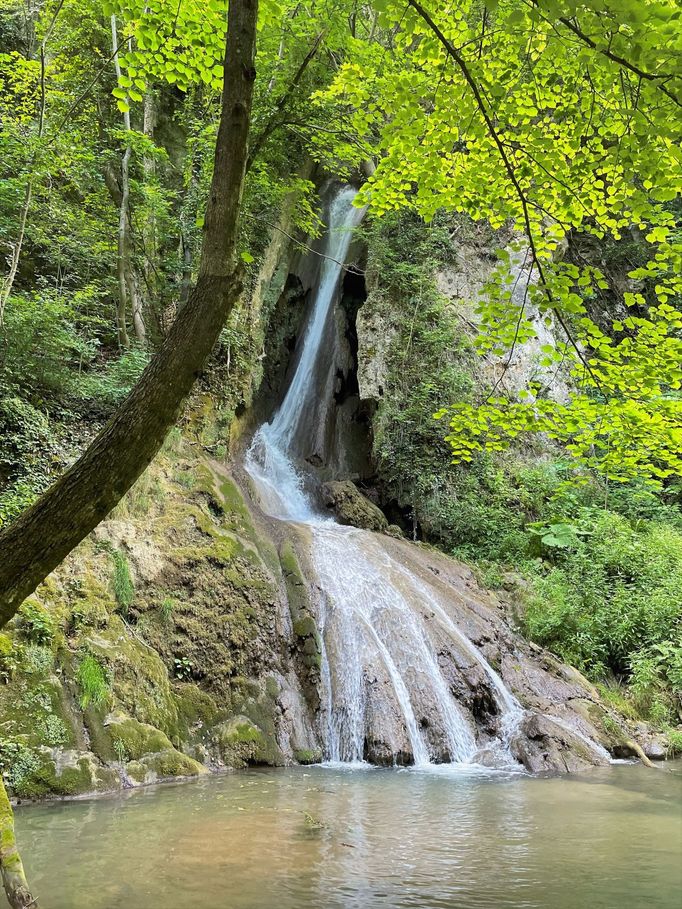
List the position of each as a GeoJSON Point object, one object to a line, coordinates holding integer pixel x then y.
{"type": "Point", "coordinates": [351, 507]}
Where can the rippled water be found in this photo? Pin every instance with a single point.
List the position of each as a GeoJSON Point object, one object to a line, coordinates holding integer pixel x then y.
{"type": "Point", "coordinates": [317, 838]}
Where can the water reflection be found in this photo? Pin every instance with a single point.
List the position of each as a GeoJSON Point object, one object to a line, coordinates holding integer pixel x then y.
{"type": "Point", "coordinates": [320, 838]}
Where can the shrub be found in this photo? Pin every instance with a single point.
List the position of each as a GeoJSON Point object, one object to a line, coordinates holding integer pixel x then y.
{"type": "Point", "coordinates": [612, 603]}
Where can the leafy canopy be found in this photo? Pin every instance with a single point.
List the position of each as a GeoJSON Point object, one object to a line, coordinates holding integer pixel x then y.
{"type": "Point", "coordinates": [561, 117]}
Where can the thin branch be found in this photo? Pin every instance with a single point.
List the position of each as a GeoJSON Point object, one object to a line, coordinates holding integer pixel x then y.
{"type": "Point", "coordinates": [621, 61]}
{"type": "Point", "coordinates": [351, 269]}
{"type": "Point", "coordinates": [275, 117]}
{"type": "Point", "coordinates": [657, 78]}
{"type": "Point", "coordinates": [462, 64]}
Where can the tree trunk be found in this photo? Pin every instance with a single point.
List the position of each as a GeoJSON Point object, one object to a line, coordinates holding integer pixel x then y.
{"type": "Point", "coordinates": [149, 232]}
{"type": "Point", "coordinates": [121, 271]}
{"type": "Point", "coordinates": [13, 877]}
{"type": "Point", "coordinates": [8, 281]}
{"type": "Point", "coordinates": [33, 545]}
{"type": "Point", "coordinates": [128, 286]}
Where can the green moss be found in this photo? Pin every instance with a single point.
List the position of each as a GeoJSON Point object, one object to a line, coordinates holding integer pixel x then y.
{"type": "Point", "coordinates": [43, 778]}
{"type": "Point", "coordinates": [101, 742]}
{"type": "Point", "coordinates": [34, 710]}
{"type": "Point", "coordinates": [197, 712]}
{"type": "Point", "coordinates": [241, 742]}
{"type": "Point", "coordinates": [137, 771]}
{"type": "Point", "coordinates": [92, 604]}
{"type": "Point", "coordinates": [139, 678]}
{"type": "Point", "coordinates": [133, 739]}
{"type": "Point", "coordinates": [171, 763]}
{"type": "Point", "coordinates": [257, 704]}
{"type": "Point", "coordinates": [308, 756]}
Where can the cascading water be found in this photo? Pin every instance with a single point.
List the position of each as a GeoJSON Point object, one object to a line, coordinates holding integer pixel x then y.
{"type": "Point", "coordinates": [378, 629]}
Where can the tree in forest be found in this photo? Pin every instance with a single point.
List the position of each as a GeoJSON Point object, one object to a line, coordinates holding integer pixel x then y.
{"type": "Point", "coordinates": [530, 111]}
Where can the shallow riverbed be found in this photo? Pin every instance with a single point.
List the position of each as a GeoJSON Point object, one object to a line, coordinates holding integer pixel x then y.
{"type": "Point", "coordinates": [318, 838]}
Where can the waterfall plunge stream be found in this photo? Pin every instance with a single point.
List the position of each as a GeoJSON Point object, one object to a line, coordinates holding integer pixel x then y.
{"type": "Point", "coordinates": [379, 616]}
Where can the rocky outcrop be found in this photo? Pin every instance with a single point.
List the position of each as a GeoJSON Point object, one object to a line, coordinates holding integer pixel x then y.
{"type": "Point", "coordinates": [159, 649]}
{"type": "Point", "coordinates": [349, 506]}
{"type": "Point", "coordinates": [519, 702]}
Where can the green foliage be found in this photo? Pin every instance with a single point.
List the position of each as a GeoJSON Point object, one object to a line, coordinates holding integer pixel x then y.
{"type": "Point", "coordinates": [183, 668]}
{"type": "Point", "coordinates": [543, 128]}
{"type": "Point", "coordinates": [92, 681]}
{"type": "Point", "coordinates": [18, 763]}
{"type": "Point", "coordinates": [611, 603]}
{"type": "Point", "coordinates": [35, 623]}
{"type": "Point", "coordinates": [122, 582]}
{"type": "Point", "coordinates": [9, 658]}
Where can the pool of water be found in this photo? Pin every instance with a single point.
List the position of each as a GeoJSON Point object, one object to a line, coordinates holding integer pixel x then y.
{"type": "Point", "coordinates": [324, 838]}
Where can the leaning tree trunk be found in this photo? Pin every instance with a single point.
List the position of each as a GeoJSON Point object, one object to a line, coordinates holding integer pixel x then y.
{"type": "Point", "coordinates": [33, 545]}
{"type": "Point", "coordinates": [13, 877]}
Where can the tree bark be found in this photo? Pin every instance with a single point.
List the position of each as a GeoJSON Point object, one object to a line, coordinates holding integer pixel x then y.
{"type": "Point", "coordinates": [13, 876]}
{"type": "Point", "coordinates": [33, 545]}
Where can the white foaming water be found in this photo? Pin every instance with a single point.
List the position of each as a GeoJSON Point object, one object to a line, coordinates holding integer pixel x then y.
{"type": "Point", "coordinates": [379, 663]}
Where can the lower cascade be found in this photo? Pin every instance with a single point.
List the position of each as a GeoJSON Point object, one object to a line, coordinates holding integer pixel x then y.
{"type": "Point", "coordinates": [402, 682]}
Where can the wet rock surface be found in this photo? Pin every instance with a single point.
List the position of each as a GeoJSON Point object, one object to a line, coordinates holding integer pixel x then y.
{"type": "Point", "coordinates": [350, 507]}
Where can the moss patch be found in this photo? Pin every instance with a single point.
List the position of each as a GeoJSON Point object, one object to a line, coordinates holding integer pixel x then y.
{"type": "Point", "coordinates": [306, 635]}
{"type": "Point", "coordinates": [133, 739]}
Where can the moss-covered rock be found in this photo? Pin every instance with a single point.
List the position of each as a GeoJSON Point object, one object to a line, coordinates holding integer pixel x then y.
{"type": "Point", "coordinates": [133, 739]}
{"type": "Point", "coordinates": [351, 507]}
{"type": "Point", "coordinates": [307, 638]}
{"type": "Point", "coordinates": [308, 756]}
{"type": "Point", "coordinates": [55, 772]}
{"type": "Point", "coordinates": [171, 763]}
{"type": "Point", "coordinates": [197, 647]}
{"type": "Point", "coordinates": [241, 742]}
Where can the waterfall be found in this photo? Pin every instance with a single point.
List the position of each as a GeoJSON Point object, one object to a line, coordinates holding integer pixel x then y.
{"type": "Point", "coordinates": [381, 664]}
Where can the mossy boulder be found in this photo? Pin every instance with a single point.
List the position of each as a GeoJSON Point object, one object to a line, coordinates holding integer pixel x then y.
{"type": "Point", "coordinates": [133, 739]}
{"type": "Point", "coordinates": [348, 504]}
{"type": "Point", "coordinates": [169, 764]}
{"type": "Point", "coordinates": [55, 772]}
{"type": "Point", "coordinates": [308, 756]}
{"type": "Point", "coordinates": [241, 742]}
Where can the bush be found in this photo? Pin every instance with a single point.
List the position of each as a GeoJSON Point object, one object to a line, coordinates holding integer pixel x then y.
{"type": "Point", "coordinates": [612, 603]}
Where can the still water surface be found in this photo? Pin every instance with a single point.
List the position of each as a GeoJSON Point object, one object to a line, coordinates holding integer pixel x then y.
{"type": "Point", "coordinates": [317, 838]}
